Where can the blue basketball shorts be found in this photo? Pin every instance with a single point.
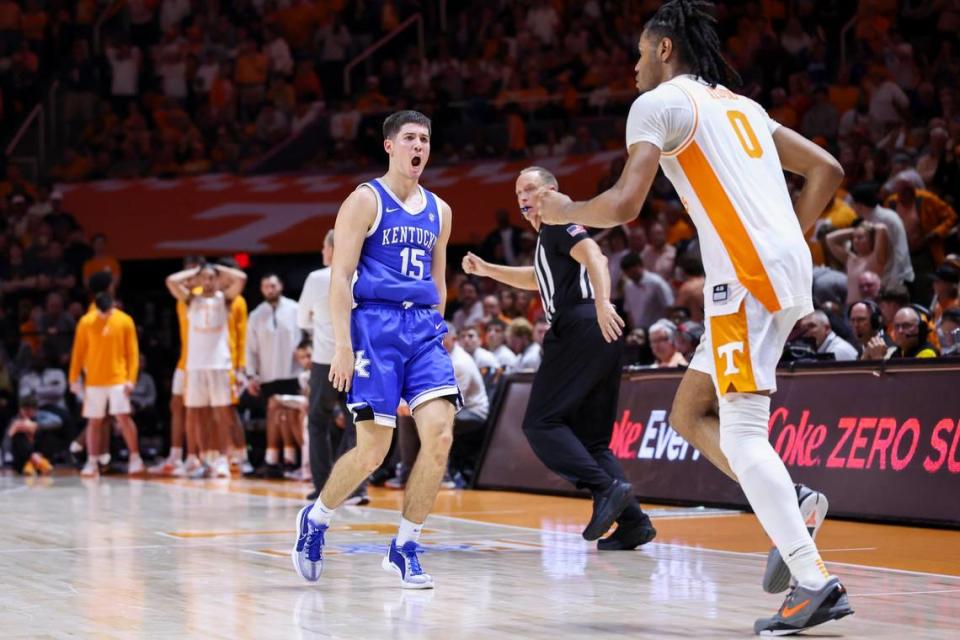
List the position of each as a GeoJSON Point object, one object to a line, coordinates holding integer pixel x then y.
{"type": "Point", "coordinates": [398, 353]}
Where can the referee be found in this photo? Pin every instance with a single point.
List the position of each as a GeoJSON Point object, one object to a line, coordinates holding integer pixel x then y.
{"type": "Point", "coordinates": [573, 402]}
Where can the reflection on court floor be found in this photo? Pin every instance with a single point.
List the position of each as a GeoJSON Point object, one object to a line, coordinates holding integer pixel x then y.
{"type": "Point", "coordinates": [132, 559]}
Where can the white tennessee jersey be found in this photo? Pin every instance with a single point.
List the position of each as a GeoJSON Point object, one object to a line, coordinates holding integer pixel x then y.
{"type": "Point", "coordinates": [718, 151]}
{"type": "Point", "coordinates": [209, 343]}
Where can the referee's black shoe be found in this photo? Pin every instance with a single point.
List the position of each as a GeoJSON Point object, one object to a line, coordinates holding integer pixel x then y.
{"type": "Point", "coordinates": [607, 507]}
{"type": "Point", "coordinates": [628, 535]}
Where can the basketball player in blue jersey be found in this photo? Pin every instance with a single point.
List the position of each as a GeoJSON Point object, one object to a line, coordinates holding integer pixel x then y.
{"type": "Point", "coordinates": [391, 246]}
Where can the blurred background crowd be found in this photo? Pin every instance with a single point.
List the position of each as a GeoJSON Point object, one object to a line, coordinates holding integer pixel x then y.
{"type": "Point", "coordinates": [169, 88]}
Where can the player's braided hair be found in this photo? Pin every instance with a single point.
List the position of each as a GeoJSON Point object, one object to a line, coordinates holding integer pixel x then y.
{"type": "Point", "coordinates": [690, 25]}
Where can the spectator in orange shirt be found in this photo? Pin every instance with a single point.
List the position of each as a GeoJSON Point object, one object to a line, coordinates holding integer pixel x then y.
{"type": "Point", "coordinates": [926, 217]}
{"type": "Point", "coordinates": [250, 74]}
{"type": "Point", "coordinates": [105, 351]}
{"type": "Point", "coordinates": [101, 261]}
{"type": "Point", "coordinates": [927, 220]}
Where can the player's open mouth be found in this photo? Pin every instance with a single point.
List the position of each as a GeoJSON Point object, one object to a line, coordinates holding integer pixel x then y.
{"type": "Point", "coordinates": [416, 161]}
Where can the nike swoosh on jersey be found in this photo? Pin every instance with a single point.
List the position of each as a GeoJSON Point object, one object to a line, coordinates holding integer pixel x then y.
{"type": "Point", "coordinates": [392, 210]}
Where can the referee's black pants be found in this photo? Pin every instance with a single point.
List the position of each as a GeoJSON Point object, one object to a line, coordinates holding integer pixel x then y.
{"type": "Point", "coordinates": [323, 400]}
{"type": "Point", "coordinates": [573, 401]}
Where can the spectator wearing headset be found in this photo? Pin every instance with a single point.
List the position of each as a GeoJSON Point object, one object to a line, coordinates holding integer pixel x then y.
{"type": "Point", "coordinates": [873, 343]}
{"type": "Point", "coordinates": [911, 331]}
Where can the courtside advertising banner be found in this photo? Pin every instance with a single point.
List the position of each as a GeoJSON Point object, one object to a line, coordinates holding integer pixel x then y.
{"type": "Point", "coordinates": [883, 445]}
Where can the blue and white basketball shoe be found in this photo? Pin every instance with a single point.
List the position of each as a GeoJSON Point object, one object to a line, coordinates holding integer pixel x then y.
{"type": "Point", "coordinates": [307, 553]}
{"type": "Point", "coordinates": [404, 562]}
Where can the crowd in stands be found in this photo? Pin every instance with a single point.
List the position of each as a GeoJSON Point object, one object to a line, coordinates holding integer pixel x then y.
{"type": "Point", "coordinates": [181, 87]}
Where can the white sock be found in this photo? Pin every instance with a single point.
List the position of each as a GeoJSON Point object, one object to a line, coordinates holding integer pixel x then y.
{"type": "Point", "coordinates": [75, 447]}
{"type": "Point", "coordinates": [290, 455]}
{"type": "Point", "coordinates": [176, 454]}
{"type": "Point", "coordinates": [271, 457]}
{"type": "Point", "coordinates": [103, 458]}
{"type": "Point", "coordinates": [767, 485]}
{"type": "Point", "coordinates": [408, 531]}
{"type": "Point", "coordinates": [241, 454]}
{"type": "Point", "coordinates": [135, 457]}
{"type": "Point", "coordinates": [193, 460]}
{"type": "Point", "coordinates": [321, 514]}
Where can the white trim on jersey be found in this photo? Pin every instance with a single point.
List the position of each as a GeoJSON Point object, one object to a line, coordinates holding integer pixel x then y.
{"type": "Point", "coordinates": [423, 194]}
{"type": "Point", "coordinates": [376, 223]}
{"type": "Point", "coordinates": [436, 205]}
{"type": "Point", "coordinates": [586, 289]}
{"type": "Point", "coordinates": [545, 277]}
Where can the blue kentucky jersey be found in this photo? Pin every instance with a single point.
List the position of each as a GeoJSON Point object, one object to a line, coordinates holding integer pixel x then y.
{"type": "Point", "coordinates": [397, 256]}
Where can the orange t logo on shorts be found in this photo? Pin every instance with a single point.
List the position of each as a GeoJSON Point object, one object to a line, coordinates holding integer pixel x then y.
{"type": "Point", "coordinates": [731, 352]}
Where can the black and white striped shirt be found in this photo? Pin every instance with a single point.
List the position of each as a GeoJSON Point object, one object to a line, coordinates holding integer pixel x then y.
{"type": "Point", "coordinates": [562, 280]}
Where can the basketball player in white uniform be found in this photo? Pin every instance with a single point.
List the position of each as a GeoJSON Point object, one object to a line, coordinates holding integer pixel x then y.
{"type": "Point", "coordinates": [209, 360]}
{"type": "Point", "coordinates": [725, 158]}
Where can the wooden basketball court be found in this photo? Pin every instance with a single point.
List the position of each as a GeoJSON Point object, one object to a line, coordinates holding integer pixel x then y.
{"type": "Point", "coordinates": [118, 558]}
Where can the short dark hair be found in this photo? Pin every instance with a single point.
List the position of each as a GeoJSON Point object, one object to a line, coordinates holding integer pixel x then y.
{"type": "Point", "coordinates": [100, 282]}
{"type": "Point", "coordinates": [271, 274]}
{"type": "Point", "coordinates": [895, 293]}
{"type": "Point", "coordinates": [630, 261]}
{"type": "Point", "coordinates": [865, 194]}
{"type": "Point", "coordinates": [395, 122]}
{"type": "Point", "coordinates": [497, 322]}
{"type": "Point", "coordinates": [953, 315]}
{"type": "Point", "coordinates": [691, 265]}
{"type": "Point", "coordinates": [306, 343]}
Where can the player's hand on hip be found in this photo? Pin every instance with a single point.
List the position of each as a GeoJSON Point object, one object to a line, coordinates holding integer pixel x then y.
{"type": "Point", "coordinates": [341, 369]}
{"type": "Point", "coordinates": [127, 389]}
{"type": "Point", "coordinates": [474, 265]}
{"type": "Point", "coordinates": [611, 324]}
{"type": "Point", "coordinates": [253, 386]}
{"type": "Point", "coordinates": [551, 206]}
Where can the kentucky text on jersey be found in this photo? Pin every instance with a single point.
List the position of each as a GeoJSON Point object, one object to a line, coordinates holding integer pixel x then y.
{"type": "Point", "coordinates": [409, 235]}
{"type": "Point", "coordinates": [397, 256]}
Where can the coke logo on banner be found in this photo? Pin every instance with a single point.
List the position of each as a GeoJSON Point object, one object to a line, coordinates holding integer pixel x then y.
{"type": "Point", "coordinates": [865, 442]}
{"type": "Point", "coordinates": [857, 442]}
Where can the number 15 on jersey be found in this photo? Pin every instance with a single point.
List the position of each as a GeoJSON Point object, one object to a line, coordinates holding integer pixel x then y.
{"type": "Point", "coordinates": [412, 266]}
